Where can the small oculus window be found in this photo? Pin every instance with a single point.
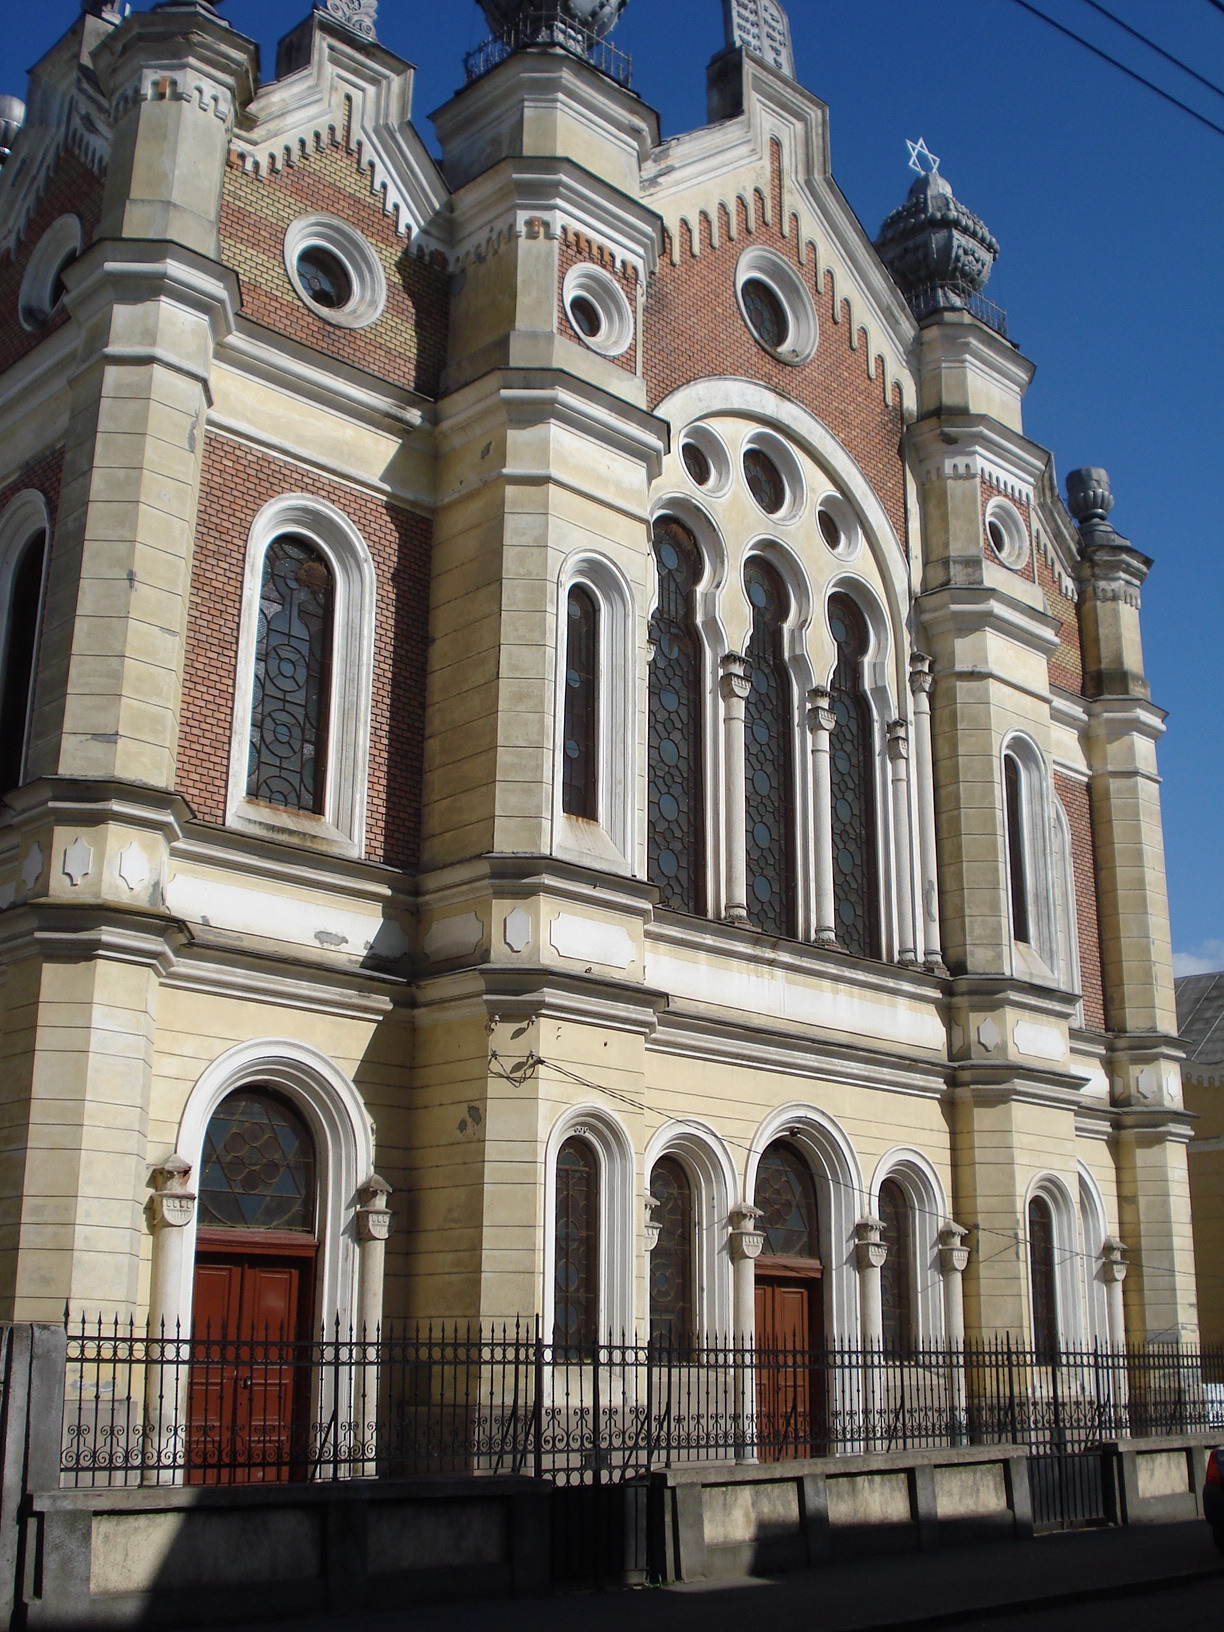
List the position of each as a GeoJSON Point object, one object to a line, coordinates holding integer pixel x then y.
{"type": "Point", "coordinates": [598, 309]}
{"type": "Point", "coordinates": [838, 526]}
{"type": "Point", "coordinates": [776, 305]}
{"type": "Point", "coordinates": [773, 476]}
{"type": "Point", "coordinates": [1007, 534]}
{"type": "Point", "coordinates": [335, 271]}
{"type": "Point", "coordinates": [42, 287]}
{"type": "Point", "coordinates": [706, 460]}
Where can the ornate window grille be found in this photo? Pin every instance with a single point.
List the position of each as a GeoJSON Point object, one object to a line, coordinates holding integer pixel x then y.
{"type": "Point", "coordinates": [288, 753]}
{"type": "Point", "coordinates": [676, 838]}
{"type": "Point", "coordinates": [671, 1258]}
{"type": "Point", "coordinates": [579, 778]}
{"type": "Point", "coordinates": [897, 1275]}
{"type": "Point", "coordinates": [786, 1196]}
{"type": "Point", "coordinates": [20, 654]}
{"type": "Point", "coordinates": [576, 1267]}
{"type": "Point", "coordinates": [258, 1168]}
{"type": "Point", "coordinates": [852, 785]}
{"type": "Point", "coordinates": [769, 759]}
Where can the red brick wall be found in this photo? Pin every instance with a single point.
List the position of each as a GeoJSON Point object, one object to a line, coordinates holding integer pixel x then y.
{"type": "Point", "coordinates": [407, 345]}
{"type": "Point", "coordinates": [1076, 803]}
{"type": "Point", "coordinates": [1066, 664]}
{"type": "Point", "coordinates": [576, 248]}
{"type": "Point", "coordinates": [236, 483]}
{"type": "Point", "coordinates": [73, 189]}
{"type": "Point", "coordinates": [692, 327]}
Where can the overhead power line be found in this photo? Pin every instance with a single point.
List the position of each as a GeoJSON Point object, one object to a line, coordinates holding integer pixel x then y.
{"type": "Point", "coordinates": [1159, 49]}
{"type": "Point", "coordinates": [1121, 66]}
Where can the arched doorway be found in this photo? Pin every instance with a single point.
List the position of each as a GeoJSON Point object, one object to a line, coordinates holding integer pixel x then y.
{"type": "Point", "coordinates": [789, 1305]}
{"type": "Point", "coordinates": [253, 1295]}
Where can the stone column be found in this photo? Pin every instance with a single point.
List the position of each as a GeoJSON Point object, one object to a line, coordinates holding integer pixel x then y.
{"type": "Point", "coordinates": [733, 684]}
{"type": "Point", "coordinates": [747, 1239]}
{"type": "Point", "coordinates": [898, 759]}
{"type": "Point", "coordinates": [870, 1255]}
{"type": "Point", "coordinates": [821, 720]}
{"type": "Point", "coordinates": [171, 1208]}
{"type": "Point", "coordinates": [953, 1261]}
{"type": "Point", "coordinates": [373, 1228]}
{"type": "Point", "coordinates": [924, 778]}
{"type": "Point", "coordinates": [1113, 1273]}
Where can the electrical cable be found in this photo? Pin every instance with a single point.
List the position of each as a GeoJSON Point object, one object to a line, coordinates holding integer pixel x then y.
{"type": "Point", "coordinates": [1121, 66]}
{"type": "Point", "coordinates": [1159, 49]}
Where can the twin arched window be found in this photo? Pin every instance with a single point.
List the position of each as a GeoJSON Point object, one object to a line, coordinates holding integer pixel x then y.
{"type": "Point", "coordinates": [675, 841]}
{"type": "Point", "coordinates": [19, 650]}
{"type": "Point", "coordinates": [769, 758]}
{"type": "Point", "coordinates": [852, 786]}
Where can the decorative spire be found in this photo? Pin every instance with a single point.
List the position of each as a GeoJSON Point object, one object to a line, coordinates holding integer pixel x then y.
{"type": "Point", "coordinates": [552, 20]}
{"type": "Point", "coordinates": [939, 253]}
{"type": "Point", "coordinates": [763, 28]}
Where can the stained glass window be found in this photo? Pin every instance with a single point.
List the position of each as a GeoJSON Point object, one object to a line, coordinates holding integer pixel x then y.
{"type": "Point", "coordinates": [671, 1258]}
{"type": "Point", "coordinates": [787, 1199]}
{"type": "Point", "coordinates": [1042, 1274]}
{"type": "Point", "coordinates": [852, 786]}
{"type": "Point", "coordinates": [676, 848]}
{"type": "Point", "coordinates": [768, 759]}
{"type": "Point", "coordinates": [764, 481]}
{"type": "Point", "coordinates": [287, 763]}
{"type": "Point", "coordinates": [579, 793]}
{"type": "Point", "coordinates": [258, 1168]}
{"type": "Point", "coordinates": [20, 651]}
{"type": "Point", "coordinates": [576, 1276]}
{"type": "Point", "coordinates": [897, 1276]}
{"type": "Point", "coordinates": [1013, 792]}
{"type": "Point", "coordinates": [766, 314]}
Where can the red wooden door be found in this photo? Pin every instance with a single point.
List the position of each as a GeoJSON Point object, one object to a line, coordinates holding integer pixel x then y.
{"type": "Point", "coordinates": [249, 1388]}
{"type": "Point", "coordinates": [788, 1327]}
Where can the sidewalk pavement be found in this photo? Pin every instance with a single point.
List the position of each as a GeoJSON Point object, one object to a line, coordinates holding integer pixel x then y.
{"type": "Point", "coordinates": [946, 1587]}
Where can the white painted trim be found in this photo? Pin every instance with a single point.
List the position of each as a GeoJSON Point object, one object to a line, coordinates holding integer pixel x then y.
{"type": "Point", "coordinates": [1093, 1229]}
{"type": "Point", "coordinates": [711, 1170]}
{"type": "Point", "coordinates": [620, 1229]}
{"type": "Point", "coordinates": [341, 825]}
{"type": "Point", "coordinates": [344, 1146]}
{"type": "Point", "coordinates": [840, 1199]}
{"type": "Point", "coordinates": [1036, 792]}
{"type": "Point", "coordinates": [614, 844]}
{"type": "Point", "coordinates": [928, 1202]}
{"type": "Point", "coordinates": [59, 244]}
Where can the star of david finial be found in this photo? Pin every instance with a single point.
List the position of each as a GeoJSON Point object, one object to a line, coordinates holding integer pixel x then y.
{"type": "Point", "coordinates": [921, 158]}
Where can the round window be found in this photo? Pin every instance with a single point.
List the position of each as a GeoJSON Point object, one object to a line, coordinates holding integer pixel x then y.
{"type": "Point", "coordinates": [1006, 533]}
{"type": "Point", "coordinates": [324, 278]}
{"type": "Point", "coordinates": [776, 304]}
{"type": "Point", "coordinates": [597, 309]}
{"type": "Point", "coordinates": [766, 314]}
{"type": "Point", "coordinates": [335, 271]}
{"type": "Point", "coordinates": [706, 459]}
{"type": "Point", "coordinates": [586, 318]}
{"type": "Point", "coordinates": [829, 530]}
{"type": "Point", "coordinates": [42, 287]}
{"type": "Point", "coordinates": [697, 464]}
{"type": "Point", "coordinates": [838, 525]}
{"type": "Point", "coordinates": [764, 481]}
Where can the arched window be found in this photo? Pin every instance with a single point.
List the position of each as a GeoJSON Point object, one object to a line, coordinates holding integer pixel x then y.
{"type": "Point", "coordinates": [676, 843]}
{"type": "Point", "coordinates": [1017, 867]}
{"type": "Point", "coordinates": [769, 758]}
{"type": "Point", "coordinates": [257, 1171]}
{"type": "Point", "coordinates": [897, 1275]}
{"type": "Point", "coordinates": [852, 786]}
{"type": "Point", "coordinates": [576, 1261]}
{"type": "Point", "coordinates": [20, 650]}
{"type": "Point", "coordinates": [579, 780]}
{"type": "Point", "coordinates": [671, 1258]}
{"type": "Point", "coordinates": [291, 695]}
{"type": "Point", "coordinates": [786, 1197]}
{"type": "Point", "coordinates": [1043, 1275]}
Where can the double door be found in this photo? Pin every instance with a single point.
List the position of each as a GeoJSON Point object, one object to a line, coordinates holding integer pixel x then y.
{"type": "Point", "coordinates": [789, 1370]}
{"type": "Point", "coordinates": [249, 1388]}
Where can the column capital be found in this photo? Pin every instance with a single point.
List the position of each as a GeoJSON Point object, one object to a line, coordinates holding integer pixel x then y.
{"type": "Point", "coordinates": [821, 717]}
{"type": "Point", "coordinates": [735, 680]}
{"type": "Point", "coordinates": [953, 1253]}
{"type": "Point", "coordinates": [1113, 1261]}
{"type": "Point", "coordinates": [922, 676]}
{"type": "Point", "coordinates": [870, 1251]}
{"type": "Point", "coordinates": [373, 1215]}
{"type": "Point", "coordinates": [654, 1223]}
{"type": "Point", "coordinates": [746, 1238]}
{"type": "Point", "coordinates": [173, 1203]}
{"type": "Point", "coordinates": [898, 740]}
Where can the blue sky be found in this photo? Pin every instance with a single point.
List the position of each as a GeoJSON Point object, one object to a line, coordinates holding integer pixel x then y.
{"type": "Point", "coordinates": [1107, 206]}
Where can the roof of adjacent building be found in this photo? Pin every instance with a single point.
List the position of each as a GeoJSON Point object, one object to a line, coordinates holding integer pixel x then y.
{"type": "Point", "coordinates": [1200, 1018]}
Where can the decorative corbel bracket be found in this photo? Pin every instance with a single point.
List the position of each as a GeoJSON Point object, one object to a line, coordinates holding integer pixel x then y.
{"type": "Point", "coordinates": [172, 1204]}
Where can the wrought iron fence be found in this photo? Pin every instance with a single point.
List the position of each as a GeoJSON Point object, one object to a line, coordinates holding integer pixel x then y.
{"type": "Point", "coordinates": [152, 1408]}
{"type": "Point", "coordinates": [547, 24]}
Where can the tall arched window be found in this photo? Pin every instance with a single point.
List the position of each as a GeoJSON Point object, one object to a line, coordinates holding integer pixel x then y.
{"type": "Point", "coordinates": [20, 650]}
{"type": "Point", "coordinates": [897, 1275]}
{"type": "Point", "coordinates": [1017, 866]}
{"type": "Point", "coordinates": [1043, 1274]}
{"type": "Point", "coordinates": [676, 843]}
{"type": "Point", "coordinates": [786, 1197]}
{"type": "Point", "coordinates": [292, 692]}
{"type": "Point", "coordinates": [852, 778]}
{"type": "Point", "coordinates": [769, 758]}
{"type": "Point", "coordinates": [671, 1257]}
{"type": "Point", "coordinates": [579, 777]}
{"type": "Point", "coordinates": [576, 1256]}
